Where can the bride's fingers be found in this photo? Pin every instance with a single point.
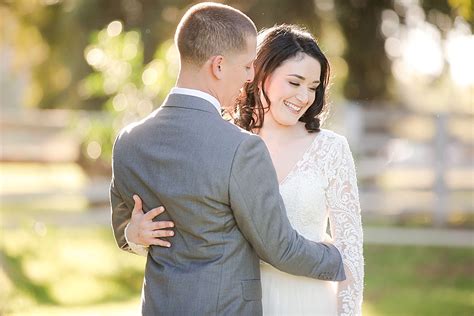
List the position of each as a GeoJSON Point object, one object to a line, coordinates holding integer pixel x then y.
{"type": "Point", "coordinates": [162, 224]}
{"type": "Point", "coordinates": [154, 212]}
{"type": "Point", "coordinates": [138, 204]}
{"type": "Point", "coordinates": [160, 233]}
{"type": "Point", "coordinates": [159, 242]}
{"type": "Point", "coordinates": [157, 234]}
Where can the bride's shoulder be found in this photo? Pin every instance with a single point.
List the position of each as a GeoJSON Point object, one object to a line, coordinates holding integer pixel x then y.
{"type": "Point", "coordinates": [331, 137]}
{"type": "Point", "coordinates": [334, 146]}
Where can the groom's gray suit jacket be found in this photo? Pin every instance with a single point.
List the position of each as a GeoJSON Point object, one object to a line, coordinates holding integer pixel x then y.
{"type": "Point", "coordinates": [220, 188]}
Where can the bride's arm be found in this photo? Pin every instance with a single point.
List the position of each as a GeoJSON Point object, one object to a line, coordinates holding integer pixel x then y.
{"type": "Point", "coordinates": [142, 231]}
{"type": "Point", "coordinates": [346, 227]}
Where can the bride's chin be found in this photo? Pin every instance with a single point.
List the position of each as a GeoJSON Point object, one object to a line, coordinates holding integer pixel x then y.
{"type": "Point", "coordinates": [286, 123]}
{"type": "Point", "coordinates": [289, 120]}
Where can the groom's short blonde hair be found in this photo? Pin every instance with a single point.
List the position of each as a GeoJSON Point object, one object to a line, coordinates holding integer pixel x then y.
{"type": "Point", "coordinates": [208, 29]}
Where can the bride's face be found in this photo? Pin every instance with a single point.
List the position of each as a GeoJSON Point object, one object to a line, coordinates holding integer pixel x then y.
{"type": "Point", "coordinates": [291, 89]}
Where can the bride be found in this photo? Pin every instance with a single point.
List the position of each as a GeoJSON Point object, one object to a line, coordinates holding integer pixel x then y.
{"type": "Point", "coordinates": [315, 168]}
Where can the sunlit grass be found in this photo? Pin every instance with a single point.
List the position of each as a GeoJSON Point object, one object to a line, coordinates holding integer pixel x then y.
{"type": "Point", "coordinates": [419, 280]}
{"type": "Point", "coordinates": [68, 268]}
{"type": "Point", "coordinates": [65, 271]}
{"type": "Point", "coordinates": [130, 307]}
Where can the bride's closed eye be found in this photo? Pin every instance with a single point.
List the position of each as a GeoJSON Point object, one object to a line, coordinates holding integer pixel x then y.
{"type": "Point", "coordinates": [296, 84]}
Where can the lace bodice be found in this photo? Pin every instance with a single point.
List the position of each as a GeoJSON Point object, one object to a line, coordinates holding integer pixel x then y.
{"type": "Point", "coordinates": [323, 185]}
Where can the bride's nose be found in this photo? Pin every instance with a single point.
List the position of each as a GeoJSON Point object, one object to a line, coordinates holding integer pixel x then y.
{"type": "Point", "coordinates": [303, 96]}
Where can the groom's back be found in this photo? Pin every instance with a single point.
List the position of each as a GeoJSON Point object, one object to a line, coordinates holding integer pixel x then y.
{"type": "Point", "coordinates": [181, 157]}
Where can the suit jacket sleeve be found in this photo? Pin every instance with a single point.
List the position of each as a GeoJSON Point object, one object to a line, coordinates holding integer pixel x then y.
{"type": "Point", "coordinates": [121, 215]}
{"type": "Point", "coordinates": [261, 216]}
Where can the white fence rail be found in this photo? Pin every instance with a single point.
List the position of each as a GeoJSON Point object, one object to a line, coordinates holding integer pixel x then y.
{"type": "Point", "coordinates": [413, 162]}
{"type": "Point", "coordinates": [407, 163]}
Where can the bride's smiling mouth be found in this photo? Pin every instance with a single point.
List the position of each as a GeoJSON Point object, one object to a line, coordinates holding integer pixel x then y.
{"type": "Point", "coordinates": [292, 107]}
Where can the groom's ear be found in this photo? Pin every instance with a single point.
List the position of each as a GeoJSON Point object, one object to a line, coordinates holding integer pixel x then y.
{"type": "Point", "coordinates": [217, 65]}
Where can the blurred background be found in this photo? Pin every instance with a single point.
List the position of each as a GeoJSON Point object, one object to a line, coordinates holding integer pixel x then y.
{"type": "Point", "coordinates": [72, 73]}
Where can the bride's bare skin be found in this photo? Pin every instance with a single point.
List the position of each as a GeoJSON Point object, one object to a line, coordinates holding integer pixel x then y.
{"type": "Point", "coordinates": [295, 81]}
{"type": "Point", "coordinates": [291, 86]}
{"type": "Point", "coordinates": [288, 97]}
{"type": "Point", "coordinates": [143, 230]}
{"type": "Point", "coordinates": [291, 89]}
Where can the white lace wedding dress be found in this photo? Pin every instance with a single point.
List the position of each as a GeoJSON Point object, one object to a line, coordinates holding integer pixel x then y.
{"type": "Point", "coordinates": [321, 186]}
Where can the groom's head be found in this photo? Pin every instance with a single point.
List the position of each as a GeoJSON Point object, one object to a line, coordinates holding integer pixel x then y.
{"type": "Point", "coordinates": [218, 42]}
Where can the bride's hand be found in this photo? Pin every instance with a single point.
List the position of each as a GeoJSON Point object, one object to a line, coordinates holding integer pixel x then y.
{"type": "Point", "coordinates": [328, 239]}
{"type": "Point", "coordinates": [143, 230]}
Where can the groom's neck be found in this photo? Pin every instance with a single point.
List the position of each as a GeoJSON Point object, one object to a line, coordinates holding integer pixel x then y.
{"type": "Point", "coordinates": [193, 78]}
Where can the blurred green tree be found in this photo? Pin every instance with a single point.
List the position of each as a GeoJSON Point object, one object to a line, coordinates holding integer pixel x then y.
{"type": "Point", "coordinates": [368, 65]}
{"type": "Point", "coordinates": [130, 88]}
{"type": "Point", "coordinates": [52, 35]}
{"type": "Point", "coordinates": [117, 57]}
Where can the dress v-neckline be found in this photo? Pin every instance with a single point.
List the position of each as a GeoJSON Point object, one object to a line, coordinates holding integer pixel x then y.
{"type": "Point", "coordinates": [298, 162]}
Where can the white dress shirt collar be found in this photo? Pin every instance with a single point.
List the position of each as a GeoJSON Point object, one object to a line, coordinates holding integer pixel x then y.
{"type": "Point", "coordinates": [199, 94]}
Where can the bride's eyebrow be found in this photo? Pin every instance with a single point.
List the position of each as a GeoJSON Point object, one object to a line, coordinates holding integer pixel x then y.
{"type": "Point", "coordinates": [302, 78]}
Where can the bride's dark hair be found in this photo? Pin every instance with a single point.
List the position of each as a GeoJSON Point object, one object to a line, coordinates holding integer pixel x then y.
{"type": "Point", "coordinates": [276, 45]}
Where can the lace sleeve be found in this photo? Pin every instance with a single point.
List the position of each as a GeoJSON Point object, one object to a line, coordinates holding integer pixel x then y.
{"type": "Point", "coordinates": [346, 226]}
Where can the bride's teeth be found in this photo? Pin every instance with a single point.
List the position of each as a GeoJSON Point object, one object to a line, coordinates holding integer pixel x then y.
{"type": "Point", "coordinates": [293, 107]}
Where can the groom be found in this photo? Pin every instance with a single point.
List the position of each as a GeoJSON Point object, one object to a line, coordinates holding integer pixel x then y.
{"type": "Point", "coordinates": [216, 181]}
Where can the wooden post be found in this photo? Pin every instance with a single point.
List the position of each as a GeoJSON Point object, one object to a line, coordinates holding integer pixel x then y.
{"type": "Point", "coordinates": [354, 125]}
{"type": "Point", "coordinates": [441, 211]}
